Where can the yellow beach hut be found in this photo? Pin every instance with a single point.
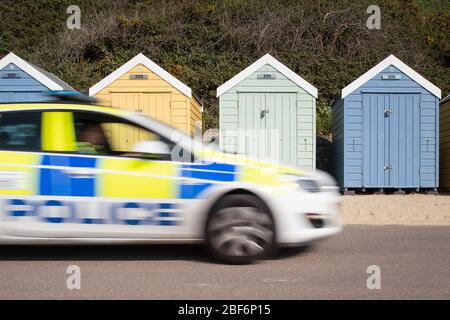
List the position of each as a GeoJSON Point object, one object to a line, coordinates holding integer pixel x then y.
{"type": "Point", "coordinates": [141, 85]}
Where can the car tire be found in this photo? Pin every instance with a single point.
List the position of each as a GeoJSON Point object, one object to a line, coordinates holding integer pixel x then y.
{"type": "Point", "coordinates": [240, 230]}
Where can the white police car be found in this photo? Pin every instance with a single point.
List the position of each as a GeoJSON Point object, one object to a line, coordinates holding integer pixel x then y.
{"type": "Point", "coordinates": [67, 176]}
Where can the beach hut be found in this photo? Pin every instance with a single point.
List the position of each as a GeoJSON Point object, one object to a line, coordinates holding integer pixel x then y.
{"type": "Point", "coordinates": [141, 85]}
{"type": "Point", "coordinates": [269, 111]}
{"type": "Point", "coordinates": [21, 81]}
{"type": "Point", "coordinates": [386, 130]}
{"type": "Point", "coordinates": [444, 145]}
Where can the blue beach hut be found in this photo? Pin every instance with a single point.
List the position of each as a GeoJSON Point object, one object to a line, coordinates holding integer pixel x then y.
{"type": "Point", "coordinates": [386, 130]}
{"type": "Point", "coordinates": [21, 81]}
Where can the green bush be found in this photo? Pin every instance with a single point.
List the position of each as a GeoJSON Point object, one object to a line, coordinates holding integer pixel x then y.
{"type": "Point", "coordinates": [205, 43]}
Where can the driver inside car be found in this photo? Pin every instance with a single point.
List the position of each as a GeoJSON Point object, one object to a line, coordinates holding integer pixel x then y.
{"type": "Point", "coordinates": [91, 139]}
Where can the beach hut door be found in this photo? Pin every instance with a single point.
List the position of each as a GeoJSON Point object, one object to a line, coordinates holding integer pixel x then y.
{"type": "Point", "coordinates": [391, 126]}
{"type": "Point", "coordinates": [267, 125]}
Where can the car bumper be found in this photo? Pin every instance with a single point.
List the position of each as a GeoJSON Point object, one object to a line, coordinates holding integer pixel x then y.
{"type": "Point", "coordinates": [301, 217]}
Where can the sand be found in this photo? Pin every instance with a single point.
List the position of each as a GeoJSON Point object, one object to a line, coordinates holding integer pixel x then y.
{"type": "Point", "coordinates": [415, 209]}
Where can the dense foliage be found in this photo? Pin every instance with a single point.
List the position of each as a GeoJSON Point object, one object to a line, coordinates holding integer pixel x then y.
{"type": "Point", "coordinates": [204, 43]}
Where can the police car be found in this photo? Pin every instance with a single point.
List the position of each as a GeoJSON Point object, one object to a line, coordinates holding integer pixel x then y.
{"type": "Point", "coordinates": [68, 176]}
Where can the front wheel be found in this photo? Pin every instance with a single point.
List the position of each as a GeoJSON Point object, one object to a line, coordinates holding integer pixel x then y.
{"type": "Point", "coordinates": [240, 229]}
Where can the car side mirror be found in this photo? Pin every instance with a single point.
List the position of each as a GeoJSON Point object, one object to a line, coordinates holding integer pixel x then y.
{"type": "Point", "coordinates": [152, 147]}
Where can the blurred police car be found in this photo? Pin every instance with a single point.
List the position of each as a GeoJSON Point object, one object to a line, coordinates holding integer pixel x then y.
{"type": "Point", "coordinates": [68, 176]}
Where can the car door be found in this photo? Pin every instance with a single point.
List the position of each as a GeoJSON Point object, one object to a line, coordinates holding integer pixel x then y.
{"type": "Point", "coordinates": [53, 188]}
{"type": "Point", "coordinates": [20, 144]}
{"type": "Point", "coordinates": [50, 202]}
{"type": "Point", "coordinates": [137, 194]}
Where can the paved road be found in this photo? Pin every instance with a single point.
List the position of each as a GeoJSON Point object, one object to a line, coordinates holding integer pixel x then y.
{"type": "Point", "coordinates": [414, 262]}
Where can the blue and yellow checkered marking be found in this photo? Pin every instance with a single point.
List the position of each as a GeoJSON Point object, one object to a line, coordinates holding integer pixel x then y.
{"type": "Point", "coordinates": [57, 182]}
{"type": "Point", "coordinates": [54, 181]}
{"type": "Point", "coordinates": [211, 172]}
{"type": "Point", "coordinates": [56, 185]}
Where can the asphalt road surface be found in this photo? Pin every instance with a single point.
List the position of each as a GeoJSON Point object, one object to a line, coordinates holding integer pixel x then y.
{"type": "Point", "coordinates": [414, 262]}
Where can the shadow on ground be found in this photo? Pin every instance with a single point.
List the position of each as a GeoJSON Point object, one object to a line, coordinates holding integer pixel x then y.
{"type": "Point", "coordinates": [121, 253]}
{"type": "Point", "coordinates": [104, 253]}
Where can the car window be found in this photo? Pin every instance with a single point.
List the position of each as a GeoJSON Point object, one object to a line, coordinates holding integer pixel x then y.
{"type": "Point", "coordinates": [109, 135]}
{"type": "Point", "coordinates": [20, 131]}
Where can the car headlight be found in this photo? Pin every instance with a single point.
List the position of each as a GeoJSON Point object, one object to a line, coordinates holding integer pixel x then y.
{"type": "Point", "coordinates": [326, 182]}
{"type": "Point", "coordinates": [307, 184]}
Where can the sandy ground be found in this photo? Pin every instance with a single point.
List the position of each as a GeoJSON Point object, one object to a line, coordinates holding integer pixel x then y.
{"type": "Point", "coordinates": [415, 209]}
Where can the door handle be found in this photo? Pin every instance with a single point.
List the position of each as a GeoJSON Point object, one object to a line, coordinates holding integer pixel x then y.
{"type": "Point", "coordinates": [264, 112]}
{"type": "Point", "coordinates": [80, 172]}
